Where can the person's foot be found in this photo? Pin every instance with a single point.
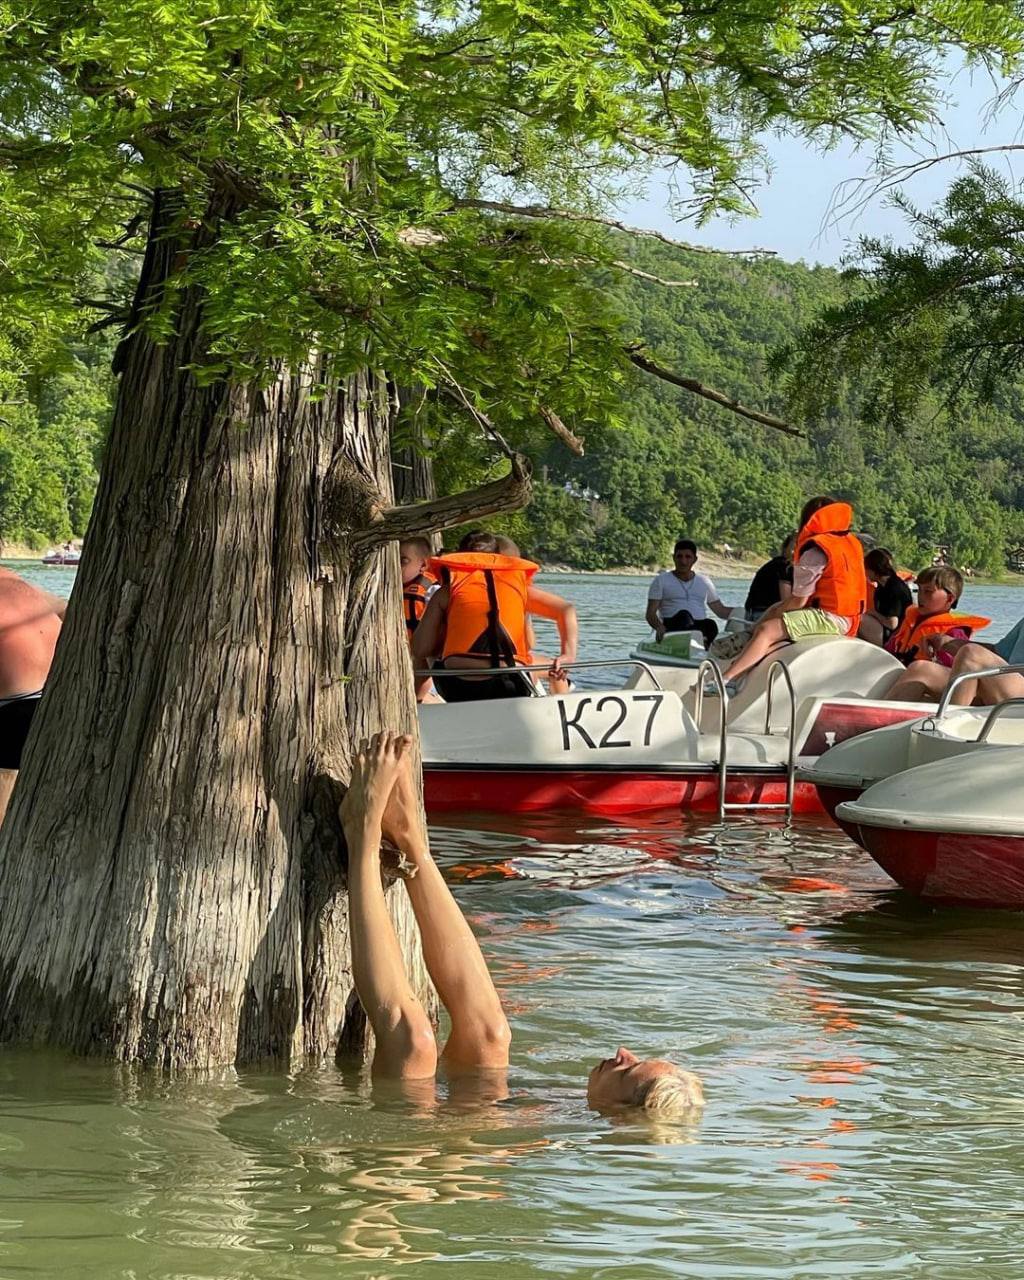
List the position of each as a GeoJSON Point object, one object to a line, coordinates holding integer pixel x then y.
{"type": "Point", "coordinates": [402, 822]}
{"type": "Point", "coordinates": [375, 768]}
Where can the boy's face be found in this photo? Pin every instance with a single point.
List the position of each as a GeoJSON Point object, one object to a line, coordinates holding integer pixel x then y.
{"type": "Point", "coordinates": [413, 563]}
{"type": "Point", "coordinates": [684, 560]}
{"type": "Point", "coordinates": [931, 598]}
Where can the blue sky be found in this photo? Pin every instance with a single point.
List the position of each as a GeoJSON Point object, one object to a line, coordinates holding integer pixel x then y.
{"type": "Point", "coordinates": [794, 204]}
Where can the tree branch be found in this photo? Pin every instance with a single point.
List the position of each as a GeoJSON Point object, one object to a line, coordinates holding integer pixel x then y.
{"type": "Point", "coordinates": [568, 438]}
{"type": "Point", "coordinates": [696, 388]}
{"type": "Point", "coordinates": [507, 494]}
{"type": "Point", "coordinates": [571, 215]}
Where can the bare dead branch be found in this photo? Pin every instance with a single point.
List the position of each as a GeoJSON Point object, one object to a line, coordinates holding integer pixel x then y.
{"type": "Point", "coordinates": [696, 388]}
{"type": "Point", "coordinates": [567, 437]}
{"type": "Point", "coordinates": [454, 392]}
{"type": "Point", "coordinates": [571, 215]}
{"type": "Point", "coordinates": [854, 194]}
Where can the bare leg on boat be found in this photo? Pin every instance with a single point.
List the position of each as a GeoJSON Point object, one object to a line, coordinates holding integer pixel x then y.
{"type": "Point", "coordinates": [922, 681]}
{"type": "Point", "coordinates": [769, 634]}
{"type": "Point", "coordinates": [975, 659]}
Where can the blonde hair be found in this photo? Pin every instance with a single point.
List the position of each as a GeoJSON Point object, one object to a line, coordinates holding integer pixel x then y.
{"type": "Point", "coordinates": [672, 1096]}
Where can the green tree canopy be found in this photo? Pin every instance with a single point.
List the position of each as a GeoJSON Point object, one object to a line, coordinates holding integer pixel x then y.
{"type": "Point", "coordinates": [346, 175]}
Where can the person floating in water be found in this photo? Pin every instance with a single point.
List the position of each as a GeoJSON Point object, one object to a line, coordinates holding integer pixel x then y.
{"type": "Point", "coordinates": [382, 802]}
{"type": "Point", "coordinates": [30, 623]}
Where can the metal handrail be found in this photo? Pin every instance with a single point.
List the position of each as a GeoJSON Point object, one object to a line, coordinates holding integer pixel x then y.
{"type": "Point", "coordinates": [944, 701]}
{"type": "Point", "coordinates": [542, 667]}
{"type": "Point", "coordinates": [709, 667]}
{"type": "Point", "coordinates": [773, 671]}
{"type": "Point", "coordinates": [994, 715]}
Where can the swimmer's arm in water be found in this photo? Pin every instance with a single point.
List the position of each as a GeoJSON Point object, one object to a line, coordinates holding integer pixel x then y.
{"type": "Point", "coordinates": [406, 1048]}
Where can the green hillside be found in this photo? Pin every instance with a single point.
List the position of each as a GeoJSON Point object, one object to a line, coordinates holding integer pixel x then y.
{"type": "Point", "coordinates": [680, 466]}
{"type": "Point", "coordinates": [671, 465]}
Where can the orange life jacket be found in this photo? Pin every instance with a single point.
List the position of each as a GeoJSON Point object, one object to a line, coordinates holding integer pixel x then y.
{"type": "Point", "coordinates": [487, 616]}
{"type": "Point", "coordinates": [907, 641]}
{"type": "Point", "coordinates": [843, 586]}
{"type": "Point", "coordinates": [414, 600]}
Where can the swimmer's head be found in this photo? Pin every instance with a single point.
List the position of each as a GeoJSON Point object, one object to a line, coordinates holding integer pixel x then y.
{"type": "Point", "coordinates": [656, 1086]}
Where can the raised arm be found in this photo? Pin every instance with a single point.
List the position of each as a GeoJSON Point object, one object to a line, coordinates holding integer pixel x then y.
{"type": "Point", "coordinates": [406, 1048]}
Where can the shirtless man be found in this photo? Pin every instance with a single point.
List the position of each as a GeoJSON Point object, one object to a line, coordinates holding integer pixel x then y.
{"type": "Point", "coordinates": [30, 622]}
{"type": "Point", "coordinates": [382, 800]}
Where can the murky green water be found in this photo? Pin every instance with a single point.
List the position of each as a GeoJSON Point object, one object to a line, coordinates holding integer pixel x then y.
{"type": "Point", "coordinates": [863, 1059]}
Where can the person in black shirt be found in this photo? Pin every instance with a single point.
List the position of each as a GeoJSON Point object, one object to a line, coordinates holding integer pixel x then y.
{"type": "Point", "coordinates": [772, 582]}
{"type": "Point", "coordinates": [892, 598]}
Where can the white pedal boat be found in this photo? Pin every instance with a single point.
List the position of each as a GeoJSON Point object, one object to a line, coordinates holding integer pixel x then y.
{"type": "Point", "coordinates": [951, 832]}
{"type": "Point", "coordinates": [851, 767]}
{"type": "Point", "coordinates": [684, 648]}
{"type": "Point", "coordinates": [656, 741]}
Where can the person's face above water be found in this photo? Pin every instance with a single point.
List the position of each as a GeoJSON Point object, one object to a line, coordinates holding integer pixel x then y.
{"type": "Point", "coordinates": [615, 1082]}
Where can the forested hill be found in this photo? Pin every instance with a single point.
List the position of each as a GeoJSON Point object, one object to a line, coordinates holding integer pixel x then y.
{"type": "Point", "coordinates": [678, 466]}
{"type": "Point", "coordinates": [673, 465]}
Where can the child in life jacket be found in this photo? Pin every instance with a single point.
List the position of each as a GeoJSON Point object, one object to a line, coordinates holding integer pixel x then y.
{"type": "Point", "coordinates": [829, 585]}
{"type": "Point", "coordinates": [920, 641]}
{"type": "Point", "coordinates": [479, 618]}
{"type": "Point", "coordinates": [417, 584]}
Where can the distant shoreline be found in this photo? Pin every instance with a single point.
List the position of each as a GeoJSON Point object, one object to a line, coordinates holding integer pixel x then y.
{"type": "Point", "coordinates": [712, 563]}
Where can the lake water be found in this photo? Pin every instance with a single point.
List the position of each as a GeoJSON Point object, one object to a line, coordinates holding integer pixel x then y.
{"type": "Point", "coordinates": [863, 1060]}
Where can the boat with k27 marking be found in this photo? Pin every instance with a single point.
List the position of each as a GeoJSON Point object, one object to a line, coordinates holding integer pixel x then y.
{"type": "Point", "coordinates": [656, 740]}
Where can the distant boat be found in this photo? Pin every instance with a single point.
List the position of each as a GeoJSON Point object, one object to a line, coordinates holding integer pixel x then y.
{"type": "Point", "coordinates": [62, 559]}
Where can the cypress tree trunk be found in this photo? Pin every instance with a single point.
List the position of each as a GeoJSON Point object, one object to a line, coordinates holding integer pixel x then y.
{"type": "Point", "coordinates": [171, 873]}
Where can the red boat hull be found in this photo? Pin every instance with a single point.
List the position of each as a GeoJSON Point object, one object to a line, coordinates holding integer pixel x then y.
{"type": "Point", "coordinates": [602, 792]}
{"type": "Point", "coordinates": [952, 869]}
{"type": "Point", "coordinates": [831, 797]}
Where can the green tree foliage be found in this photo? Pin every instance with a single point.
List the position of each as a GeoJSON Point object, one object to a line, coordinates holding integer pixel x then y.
{"type": "Point", "coordinates": [337, 170]}
{"type": "Point", "coordinates": [55, 402]}
{"type": "Point", "coordinates": [676, 466]}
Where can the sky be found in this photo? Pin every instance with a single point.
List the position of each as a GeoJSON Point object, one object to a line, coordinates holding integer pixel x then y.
{"type": "Point", "coordinates": [797, 215]}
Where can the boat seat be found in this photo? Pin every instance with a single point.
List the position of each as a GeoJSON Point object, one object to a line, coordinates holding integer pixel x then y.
{"type": "Point", "coordinates": [824, 667]}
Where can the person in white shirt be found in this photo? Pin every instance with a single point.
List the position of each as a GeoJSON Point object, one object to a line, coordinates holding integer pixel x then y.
{"type": "Point", "coordinates": [679, 598]}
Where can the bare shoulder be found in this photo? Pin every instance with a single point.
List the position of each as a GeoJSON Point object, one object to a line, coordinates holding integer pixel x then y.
{"type": "Point", "coordinates": [21, 598]}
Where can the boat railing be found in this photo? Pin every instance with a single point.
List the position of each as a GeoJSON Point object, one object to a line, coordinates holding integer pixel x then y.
{"type": "Point", "coordinates": [994, 715]}
{"type": "Point", "coordinates": [945, 701]}
{"type": "Point", "coordinates": [708, 668]}
{"type": "Point", "coordinates": [543, 668]}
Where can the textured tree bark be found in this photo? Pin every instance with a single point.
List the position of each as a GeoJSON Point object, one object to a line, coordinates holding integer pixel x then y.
{"type": "Point", "coordinates": [171, 870]}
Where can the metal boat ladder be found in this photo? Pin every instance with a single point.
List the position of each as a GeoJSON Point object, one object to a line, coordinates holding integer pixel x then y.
{"type": "Point", "coordinates": [709, 668]}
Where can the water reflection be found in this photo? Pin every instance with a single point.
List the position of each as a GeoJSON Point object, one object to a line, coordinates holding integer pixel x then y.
{"type": "Point", "coordinates": [863, 1060]}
